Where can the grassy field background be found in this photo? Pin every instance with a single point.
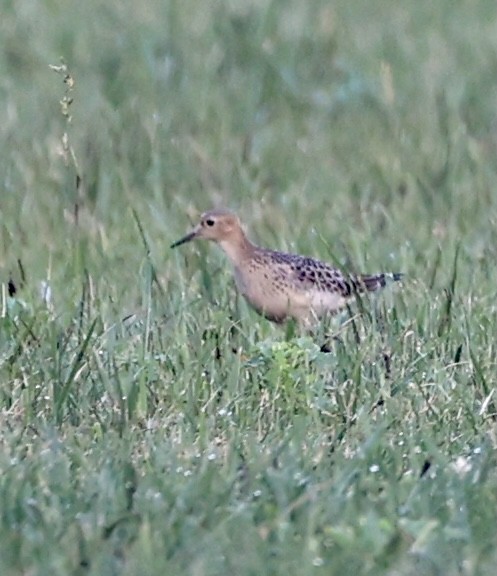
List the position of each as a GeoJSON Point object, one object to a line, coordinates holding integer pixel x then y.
{"type": "Point", "coordinates": [150, 423]}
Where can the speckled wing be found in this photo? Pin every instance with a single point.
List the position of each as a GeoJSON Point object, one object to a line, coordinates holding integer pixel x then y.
{"type": "Point", "coordinates": [314, 274]}
{"type": "Point", "coordinates": [311, 274]}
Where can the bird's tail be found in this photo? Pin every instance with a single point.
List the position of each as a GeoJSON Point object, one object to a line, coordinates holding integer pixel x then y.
{"type": "Point", "coordinates": [377, 281]}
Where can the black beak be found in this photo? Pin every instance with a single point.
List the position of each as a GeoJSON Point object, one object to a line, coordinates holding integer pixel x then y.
{"type": "Point", "coordinates": [185, 239]}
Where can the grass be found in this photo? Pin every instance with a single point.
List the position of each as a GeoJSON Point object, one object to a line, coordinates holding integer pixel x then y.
{"type": "Point", "coordinates": [150, 422]}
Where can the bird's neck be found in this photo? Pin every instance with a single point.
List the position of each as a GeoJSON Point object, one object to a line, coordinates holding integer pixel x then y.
{"type": "Point", "coordinates": [238, 247]}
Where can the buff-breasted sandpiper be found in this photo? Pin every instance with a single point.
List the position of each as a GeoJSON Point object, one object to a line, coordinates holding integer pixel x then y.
{"type": "Point", "coordinates": [278, 285]}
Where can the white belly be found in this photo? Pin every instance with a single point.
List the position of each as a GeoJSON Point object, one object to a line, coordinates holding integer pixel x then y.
{"type": "Point", "coordinates": [278, 301]}
{"type": "Point", "coordinates": [323, 303]}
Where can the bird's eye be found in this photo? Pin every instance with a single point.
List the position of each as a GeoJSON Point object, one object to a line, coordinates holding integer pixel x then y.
{"type": "Point", "coordinates": [209, 222]}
